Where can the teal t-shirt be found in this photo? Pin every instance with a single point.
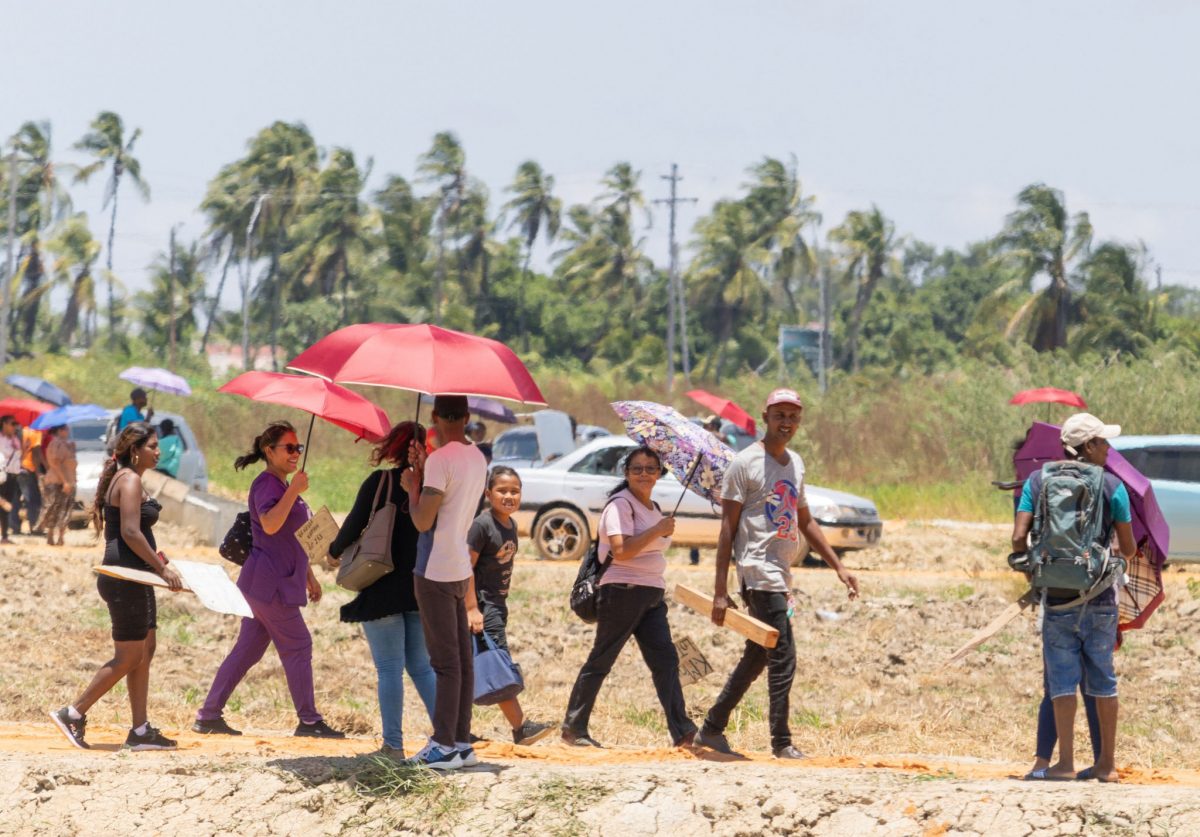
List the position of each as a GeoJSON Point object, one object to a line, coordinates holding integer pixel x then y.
{"type": "Point", "coordinates": [128, 416]}
{"type": "Point", "coordinates": [170, 449]}
{"type": "Point", "coordinates": [1118, 500]}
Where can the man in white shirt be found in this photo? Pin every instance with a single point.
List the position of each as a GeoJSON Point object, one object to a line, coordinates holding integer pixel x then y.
{"type": "Point", "coordinates": [444, 493]}
{"type": "Point", "coordinates": [10, 464]}
{"type": "Point", "coordinates": [763, 514]}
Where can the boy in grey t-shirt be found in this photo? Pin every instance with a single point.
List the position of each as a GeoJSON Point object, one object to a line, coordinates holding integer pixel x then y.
{"type": "Point", "coordinates": [763, 515]}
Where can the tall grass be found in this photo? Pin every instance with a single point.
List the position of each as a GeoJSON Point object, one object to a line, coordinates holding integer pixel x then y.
{"type": "Point", "coordinates": [920, 446]}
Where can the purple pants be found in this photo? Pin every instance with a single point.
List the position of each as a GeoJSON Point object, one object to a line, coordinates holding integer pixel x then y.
{"type": "Point", "coordinates": [272, 622]}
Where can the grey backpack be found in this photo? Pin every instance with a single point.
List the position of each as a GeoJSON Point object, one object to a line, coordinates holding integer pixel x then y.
{"type": "Point", "coordinates": [1067, 552]}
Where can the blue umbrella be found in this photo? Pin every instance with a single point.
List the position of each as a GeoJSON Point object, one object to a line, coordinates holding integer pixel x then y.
{"type": "Point", "coordinates": [39, 388]}
{"type": "Point", "coordinates": [69, 414]}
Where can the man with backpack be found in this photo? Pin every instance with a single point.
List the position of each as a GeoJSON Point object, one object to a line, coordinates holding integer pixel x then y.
{"type": "Point", "coordinates": [1061, 538]}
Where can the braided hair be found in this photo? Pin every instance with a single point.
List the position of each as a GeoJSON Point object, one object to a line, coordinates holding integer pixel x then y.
{"type": "Point", "coordinates": [132, 439]}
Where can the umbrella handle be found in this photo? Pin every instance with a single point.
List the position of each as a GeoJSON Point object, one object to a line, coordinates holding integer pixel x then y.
{"type": "Point", "coordinates": [417, 417]}
{"type": "Point", "coordinates": [686, 483]}
{"type": "Point", "coordinates": [308, 439]}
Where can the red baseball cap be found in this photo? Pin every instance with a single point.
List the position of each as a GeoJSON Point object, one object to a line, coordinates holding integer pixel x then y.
{"type": "Point", "coordinates": [784, 396]}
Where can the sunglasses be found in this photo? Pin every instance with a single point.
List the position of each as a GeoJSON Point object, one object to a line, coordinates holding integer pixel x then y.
{"type": "Point", "coordinates": [643, 469]}
{"type": "Point", "coordinates": [290, 448]}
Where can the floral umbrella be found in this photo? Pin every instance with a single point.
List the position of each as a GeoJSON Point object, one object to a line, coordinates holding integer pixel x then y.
{"type": "Point", "coordinates": [696, 457]}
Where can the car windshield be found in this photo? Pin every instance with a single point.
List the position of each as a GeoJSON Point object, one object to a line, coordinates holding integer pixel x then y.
{"type": "Point", "coordinates": [516, 446]}
{"type": "Point", "coordinates": [88, 435]}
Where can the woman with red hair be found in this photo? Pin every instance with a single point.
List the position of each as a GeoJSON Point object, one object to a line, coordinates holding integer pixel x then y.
{"type": "Point", "coordinates": [388, 608]}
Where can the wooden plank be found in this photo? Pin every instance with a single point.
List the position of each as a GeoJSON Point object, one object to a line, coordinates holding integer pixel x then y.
{"type": "Point", "coordinates": [737, 621]}
{"type": "Point", "coordinates": [994, 627]}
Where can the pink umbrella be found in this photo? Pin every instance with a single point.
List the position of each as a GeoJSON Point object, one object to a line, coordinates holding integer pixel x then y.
{"type": "Point", "coordinates": [726, 409]}
{"type": "Point", "coordinates": [1049, 395]}
{"type": "Point", "coordinates": [336, 405]}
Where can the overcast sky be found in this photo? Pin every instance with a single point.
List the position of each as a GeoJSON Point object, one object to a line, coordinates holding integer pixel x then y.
{"type": "Point", "coordinates": [939, 112]}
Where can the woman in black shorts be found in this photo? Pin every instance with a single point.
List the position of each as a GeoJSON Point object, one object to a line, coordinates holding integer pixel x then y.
{"type": "Point", "coordinates": [128, 516]}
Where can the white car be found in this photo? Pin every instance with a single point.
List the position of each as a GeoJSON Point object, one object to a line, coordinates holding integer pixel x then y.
{"type": "Point", "coordinates": [91, 443]}
{"type": "Point", "coordinates": [561, 504]}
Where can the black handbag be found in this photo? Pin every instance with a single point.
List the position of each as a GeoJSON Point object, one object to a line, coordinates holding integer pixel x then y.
{"type": "Point", "coordinates": [586, 590]}
{"type": "Point", "coordinates": [239, 540]}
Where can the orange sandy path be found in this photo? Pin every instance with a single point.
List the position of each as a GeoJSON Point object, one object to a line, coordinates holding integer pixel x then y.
{"type": "Point", "coordinates": [26, 739]}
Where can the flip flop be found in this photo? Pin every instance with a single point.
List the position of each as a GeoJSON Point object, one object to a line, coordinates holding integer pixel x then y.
{"type": "Point", "coordinates": [1089, 773]}
{"type": "Point", "coordinates": [1042, 775]}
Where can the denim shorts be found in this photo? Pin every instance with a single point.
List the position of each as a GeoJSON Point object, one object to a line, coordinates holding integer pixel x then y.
{"type": "Point", "coordinates": [1078, 647]}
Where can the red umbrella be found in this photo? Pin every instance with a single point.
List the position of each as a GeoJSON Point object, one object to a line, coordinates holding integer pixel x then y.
{"type": "Point", "coordinates": [24, 410]}
{"type": "Point", "coordinates": [336, 405]}
{"type": "Point", "coordinates": [1049, 395]}
{"type": "Point", "coordinates": [421, 358]}
{"type": "Point", "coordinates": [726, 409]}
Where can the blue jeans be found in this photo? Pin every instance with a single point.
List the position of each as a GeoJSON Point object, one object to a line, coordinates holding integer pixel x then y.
{"type": "Point", "coordinates": [397, 643]}
{"type": "Point", "coordinates": [1077, 646]}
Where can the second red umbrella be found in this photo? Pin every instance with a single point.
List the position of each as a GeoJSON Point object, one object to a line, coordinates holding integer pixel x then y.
{"type": "Point", "coordinates": [420, 358]}
{"type": "Point", "coordinates": [336, 405]}
{"type": "Point", "coordinates": [1049, 395]}
{"type": "Point", "coordinates": [726, 409]}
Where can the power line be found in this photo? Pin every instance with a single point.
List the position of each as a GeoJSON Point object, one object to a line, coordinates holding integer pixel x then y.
{"type": "Point", "coordinates": [675, 298]}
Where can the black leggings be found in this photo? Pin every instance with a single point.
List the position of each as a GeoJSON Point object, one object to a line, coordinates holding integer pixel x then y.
{"type": "Point", "coordinates": [9, 490]}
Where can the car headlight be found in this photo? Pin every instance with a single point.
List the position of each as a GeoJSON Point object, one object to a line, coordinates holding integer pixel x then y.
{"type": "Point", "coordinates": [829, 513]}
{"type": "Point", "coordinates": [858, 512]}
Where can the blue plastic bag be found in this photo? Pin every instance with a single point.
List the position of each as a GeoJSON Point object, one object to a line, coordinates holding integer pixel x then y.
{"type": "Point", "coordinates": [497, 677]}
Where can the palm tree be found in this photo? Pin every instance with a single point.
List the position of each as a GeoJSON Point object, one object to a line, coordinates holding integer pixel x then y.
{"type": "Point", "coordinates": [334, 233]}
{"type": "Point", "coordinates": [1116, 307]}
{"type": "Point", "coordinates": [405, 220]}
{"type": "Point", "coordinates": [106, 142]}
{"type": "Point", "coordinates": [444, 166]}
{"type": "Point", "coordinates": [173, 297]}
{"type": "Point", "coordinates": [41, 201]}
{"type": "Point", "coordinates": [228, 206]}
{"type": "Point", "coordinates": [603, 258]}
{"type": "Point", "coordinates": [724, 278]}
{"type": "Point", "coordinates": [534, 208]}
{"type": "Point", "coordinates": [277, 176]}
{"type": "Point", "coordinates": [75, 251]}
{"type": "Point", "coordinates": [869, 242]}
{"type": "Point", "coordinates": [781, 213]}
{"type": "Point", "coordinates": [1040, 239]}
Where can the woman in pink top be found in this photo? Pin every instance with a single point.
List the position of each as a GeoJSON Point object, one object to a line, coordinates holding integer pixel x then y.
{"type": "Point", "coordinates": [634, 536]}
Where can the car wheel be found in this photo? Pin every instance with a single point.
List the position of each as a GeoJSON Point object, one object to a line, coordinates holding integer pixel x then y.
{"type": "Point", "coordinates": [561, 534]}
{"type": "Point", "coordinates": [804, 556]}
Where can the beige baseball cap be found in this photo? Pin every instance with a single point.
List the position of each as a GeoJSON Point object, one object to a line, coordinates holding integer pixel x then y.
{"type": "Point", "coordinates": [1081, 427]}
{"type": "Point", "coordinates": [784, 396]}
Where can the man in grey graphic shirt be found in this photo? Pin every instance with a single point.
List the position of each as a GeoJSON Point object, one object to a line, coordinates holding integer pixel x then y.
{"type": "Point", "coordinates": [763, 515]}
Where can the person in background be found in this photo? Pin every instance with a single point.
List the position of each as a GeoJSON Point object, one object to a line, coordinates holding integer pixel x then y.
{"type": "Point", "coordinates": [764, 513]}
{"type": "Point", "coordinates": [59, 484]}
{"type": "Point", "coordinates": [445, 492]}
{"type": "Point", "coordinates": [492, 541]}
{"type": "Point", "coordinates": [29, 481]}
{"type": "Point", "coordinates": [127, 515]}
{"type": "Point", "coordinates": [10, 464]}
{"type": "Point", "coordinates": [275, 581]}
{"type": "Point", "coordinates": [634, 537]}
{"type": "Point", "coordinates": [388, 608]}
{"type": "Point", "coordinates": [171, 446]}
{"type": "Point", "coordinates": [477, 432]}
{"type": "Point", "coordinates": [134, 410]}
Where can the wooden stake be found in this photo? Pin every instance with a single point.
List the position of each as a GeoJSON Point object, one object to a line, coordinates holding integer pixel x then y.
{"type": "Point", "coordinates": [738, 622]}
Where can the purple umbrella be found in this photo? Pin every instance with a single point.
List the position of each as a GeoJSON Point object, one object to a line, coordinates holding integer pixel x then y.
{"type": "Point", "coordinates": [1144, 591]}
{"type": "Point", "coordinates": [157, 379]}
{"type": "Point", "coordinates": [484, 408]}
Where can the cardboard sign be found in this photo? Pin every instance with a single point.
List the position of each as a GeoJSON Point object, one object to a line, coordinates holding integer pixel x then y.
{"type": "Point", "coordinates": [692, 664]}
{"type": "Point", "coordinates": [317, 534]}
{"type": "Point", "coordinates": [213, 587]}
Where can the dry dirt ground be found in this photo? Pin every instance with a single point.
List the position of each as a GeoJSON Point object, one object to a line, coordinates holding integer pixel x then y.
{"type": "Point", "coordinates": [900, 743]}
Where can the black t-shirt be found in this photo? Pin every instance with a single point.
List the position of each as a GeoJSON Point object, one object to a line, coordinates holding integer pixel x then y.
{"type": "Point", "coordinates": [496, 546]}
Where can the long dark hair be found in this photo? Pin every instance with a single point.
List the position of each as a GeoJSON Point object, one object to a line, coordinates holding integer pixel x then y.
{"type": "Point", "coordinates": [394, 446]}
{"type": "Point", "coordinates": [274, 432]}
{"type": "Point", "coordinates": [639, 451]}
{"type": "Point", "coordinates": [132, 439]}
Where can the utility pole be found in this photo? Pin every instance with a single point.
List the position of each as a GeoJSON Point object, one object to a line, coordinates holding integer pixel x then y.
{"type": "Point", "coordinates": [171, 306]}
{"type": "Point", "coordinates": [6, 294]}
{"type": "Point", "coordinates": [675, 300]}
{"type": "Point", "coordinates": [245, 282]}
{"type": "Point", "coordinates": [823, 300]}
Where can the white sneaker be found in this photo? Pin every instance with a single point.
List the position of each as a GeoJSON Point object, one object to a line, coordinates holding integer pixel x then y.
{"type": "Point", "coordinates": [436, 757]}
{"type": "Point", "coordinates": [467, 753]}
